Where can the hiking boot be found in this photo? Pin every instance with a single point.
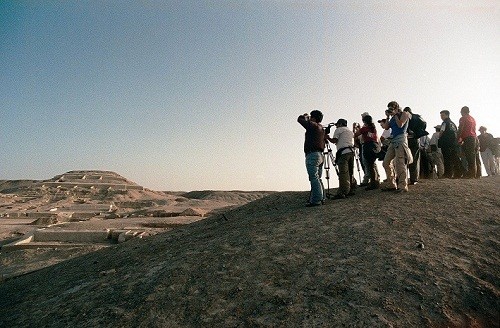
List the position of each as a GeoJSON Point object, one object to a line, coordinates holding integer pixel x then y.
{"type": "Point", "coordinates": [314, 204]}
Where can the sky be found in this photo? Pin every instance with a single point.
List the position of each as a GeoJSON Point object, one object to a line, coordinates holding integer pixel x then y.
{"type": "Point", "coordinates": [194, 95]}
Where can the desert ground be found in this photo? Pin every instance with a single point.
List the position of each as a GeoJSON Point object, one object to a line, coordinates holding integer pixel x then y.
{"type": "Point", "coordinates": [426, 258]}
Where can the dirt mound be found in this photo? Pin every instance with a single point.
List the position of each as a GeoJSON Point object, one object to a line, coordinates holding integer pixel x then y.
{"type": "Point", "coordinates": [427, 258]}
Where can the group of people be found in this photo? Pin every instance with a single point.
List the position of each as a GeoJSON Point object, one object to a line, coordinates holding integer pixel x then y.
{"type": "Point", "coordinates": [404, 146]}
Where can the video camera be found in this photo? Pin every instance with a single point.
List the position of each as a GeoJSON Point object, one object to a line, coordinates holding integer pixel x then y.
{"type": "Point", "coordinates": [328, 128]}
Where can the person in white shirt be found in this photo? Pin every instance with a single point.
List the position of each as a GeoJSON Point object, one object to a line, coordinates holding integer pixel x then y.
{"type": "Point", "coordinates": [425, 158]}
{"type": "Point", "coordinates": [435, 153]}
{"type": "Point", "coordinates": [343, 138]}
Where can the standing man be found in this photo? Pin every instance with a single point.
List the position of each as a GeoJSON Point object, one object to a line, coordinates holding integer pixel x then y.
{"type": "Point", "coordinates": [416, 130]}
{"type": "Point", "coordinates": [468, 139]}
{"type": "Point", "coordinates": [448, 144]}
{"type": "Point", "coordinates": [398, 148]}
{"type": "Point", "coordinates": [314, 146]}
{"type": "Point", "coordinates": [435, 153]}
{"type": "Point", "coordinates": [486, 147]}
{"type": "Point", "coordinates": [344, 140]}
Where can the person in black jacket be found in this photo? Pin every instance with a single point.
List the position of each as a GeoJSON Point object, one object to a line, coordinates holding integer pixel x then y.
{"type": "Point", "coordinates": [449, 147]}
{"type": "Point", "coordinates": [415, 132]}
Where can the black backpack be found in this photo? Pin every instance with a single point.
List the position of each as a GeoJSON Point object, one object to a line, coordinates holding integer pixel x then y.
{"type": "Point", "coordinates": [417, 125]}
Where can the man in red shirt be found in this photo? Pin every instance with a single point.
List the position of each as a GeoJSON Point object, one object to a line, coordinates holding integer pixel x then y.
{"type": "Point", "coordinates": [468, 139]}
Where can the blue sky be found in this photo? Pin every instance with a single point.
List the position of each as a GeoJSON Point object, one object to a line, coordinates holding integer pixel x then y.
{"type": "Point", "coordinates": [189, 95]}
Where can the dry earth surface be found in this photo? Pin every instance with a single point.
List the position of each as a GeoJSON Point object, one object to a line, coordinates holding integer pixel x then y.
{"type": "Point", "coordinates": [427, 258]}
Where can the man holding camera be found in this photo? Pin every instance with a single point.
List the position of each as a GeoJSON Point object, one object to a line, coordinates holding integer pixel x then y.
{"type": "Point", "coordinates": [398, 150]}
{"type": "Point", "coordinates": [314, 146]}
{"type": "Point", "coordinates": [344, 158]}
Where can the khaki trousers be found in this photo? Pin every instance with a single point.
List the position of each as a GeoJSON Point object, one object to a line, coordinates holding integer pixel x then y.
{"type": "Point", "coordinates": [396, 169]}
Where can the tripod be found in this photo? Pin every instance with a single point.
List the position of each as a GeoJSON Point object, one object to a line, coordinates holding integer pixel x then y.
{"type": "Point", "coordinates": [329, 160]}
{"type": "Point", "coordinates": [356, 156]}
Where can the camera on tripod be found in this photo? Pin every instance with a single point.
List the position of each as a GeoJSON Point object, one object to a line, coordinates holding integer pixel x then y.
{"type": "Point", "coordinates": [328, 128]}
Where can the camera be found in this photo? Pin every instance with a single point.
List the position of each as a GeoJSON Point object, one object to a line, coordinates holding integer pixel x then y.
{"type": "Point", "coordinates": [329, 128]}
{"type": "Point", "coordinates": [389, 111]}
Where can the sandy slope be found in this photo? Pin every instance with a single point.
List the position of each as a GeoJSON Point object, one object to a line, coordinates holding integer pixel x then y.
{"type": "Point", "coordinates": [428, 258]}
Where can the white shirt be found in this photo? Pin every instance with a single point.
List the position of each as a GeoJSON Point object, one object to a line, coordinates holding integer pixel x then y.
{"type": "Point", "coordinates": [345, 138]}
{"type": "Point", "coordinates": [424, 142]}
{"type": "Point", "coordinates": [434, 139]}
{"type": "Point", "coordinates": [386, 133]}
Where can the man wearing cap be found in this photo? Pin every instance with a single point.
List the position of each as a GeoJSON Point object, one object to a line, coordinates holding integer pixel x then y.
{"type": "Point", "coordinates": [468, 139]}
{"type": "Point", "coordinates": [314, 146]}
{"type": "Point", "coordinates": [398, 148]}
{"type": "Point", "coordinates": [435, 154]}
{"type": "Point", "coordinates": [486, 146]}
{"type": "Point", "coordinates": [343, 138]}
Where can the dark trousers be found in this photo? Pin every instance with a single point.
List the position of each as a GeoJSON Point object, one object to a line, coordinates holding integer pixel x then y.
{"type": "Point", "coordinates": [469, 148]}
{"type": "Point", "coordinates": [425, 165]}
{"type": "Point", "coordinates": [415, 152]}
{"type": "Point", "coordinates": [370, 157]}
{"type": "Point", "coordinates": [452, 166]}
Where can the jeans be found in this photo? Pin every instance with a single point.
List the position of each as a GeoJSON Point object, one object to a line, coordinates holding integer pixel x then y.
{"type": "Point", "coordinates": [314, 166]}
{"type": "Point", "coordinates": [370, 157]}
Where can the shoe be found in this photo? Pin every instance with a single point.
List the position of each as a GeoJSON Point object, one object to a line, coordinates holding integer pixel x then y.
{"type": "Point", "coordinates": [371, 188]}
{"type": "Point", "coordinates": [314, 204]}
{"type": "Point", "coordinates": [364, 184]}
{"type": "Point", "coordinates": [339, 196]}
{"type": "Point", "coordinates": [399, 191]}
{"type": "Point", "coordinates": [388, 189]}
{"type": "Point", "coordinates": [413, 182]}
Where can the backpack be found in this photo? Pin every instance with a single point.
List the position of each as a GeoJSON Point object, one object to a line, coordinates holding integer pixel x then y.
{"type": "Point", "coordinates": [417, 125]}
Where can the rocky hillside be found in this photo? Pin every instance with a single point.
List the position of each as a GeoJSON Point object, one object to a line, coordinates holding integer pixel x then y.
{"type": "Point", "coordinates": [427, 258]}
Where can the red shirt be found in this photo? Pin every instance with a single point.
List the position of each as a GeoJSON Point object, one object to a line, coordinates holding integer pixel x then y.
{"type": "Point", "coordinates": [368, 134]}
{"type": "Point", "coordinates": [467, 127]}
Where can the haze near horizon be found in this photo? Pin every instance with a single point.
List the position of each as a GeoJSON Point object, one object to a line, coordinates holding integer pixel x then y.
{"type": "Point", "coordinates": [199, 95]}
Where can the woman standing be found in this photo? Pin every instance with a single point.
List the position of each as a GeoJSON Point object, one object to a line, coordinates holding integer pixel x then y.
{"type": "Point", "coordinates": [370, 144]}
